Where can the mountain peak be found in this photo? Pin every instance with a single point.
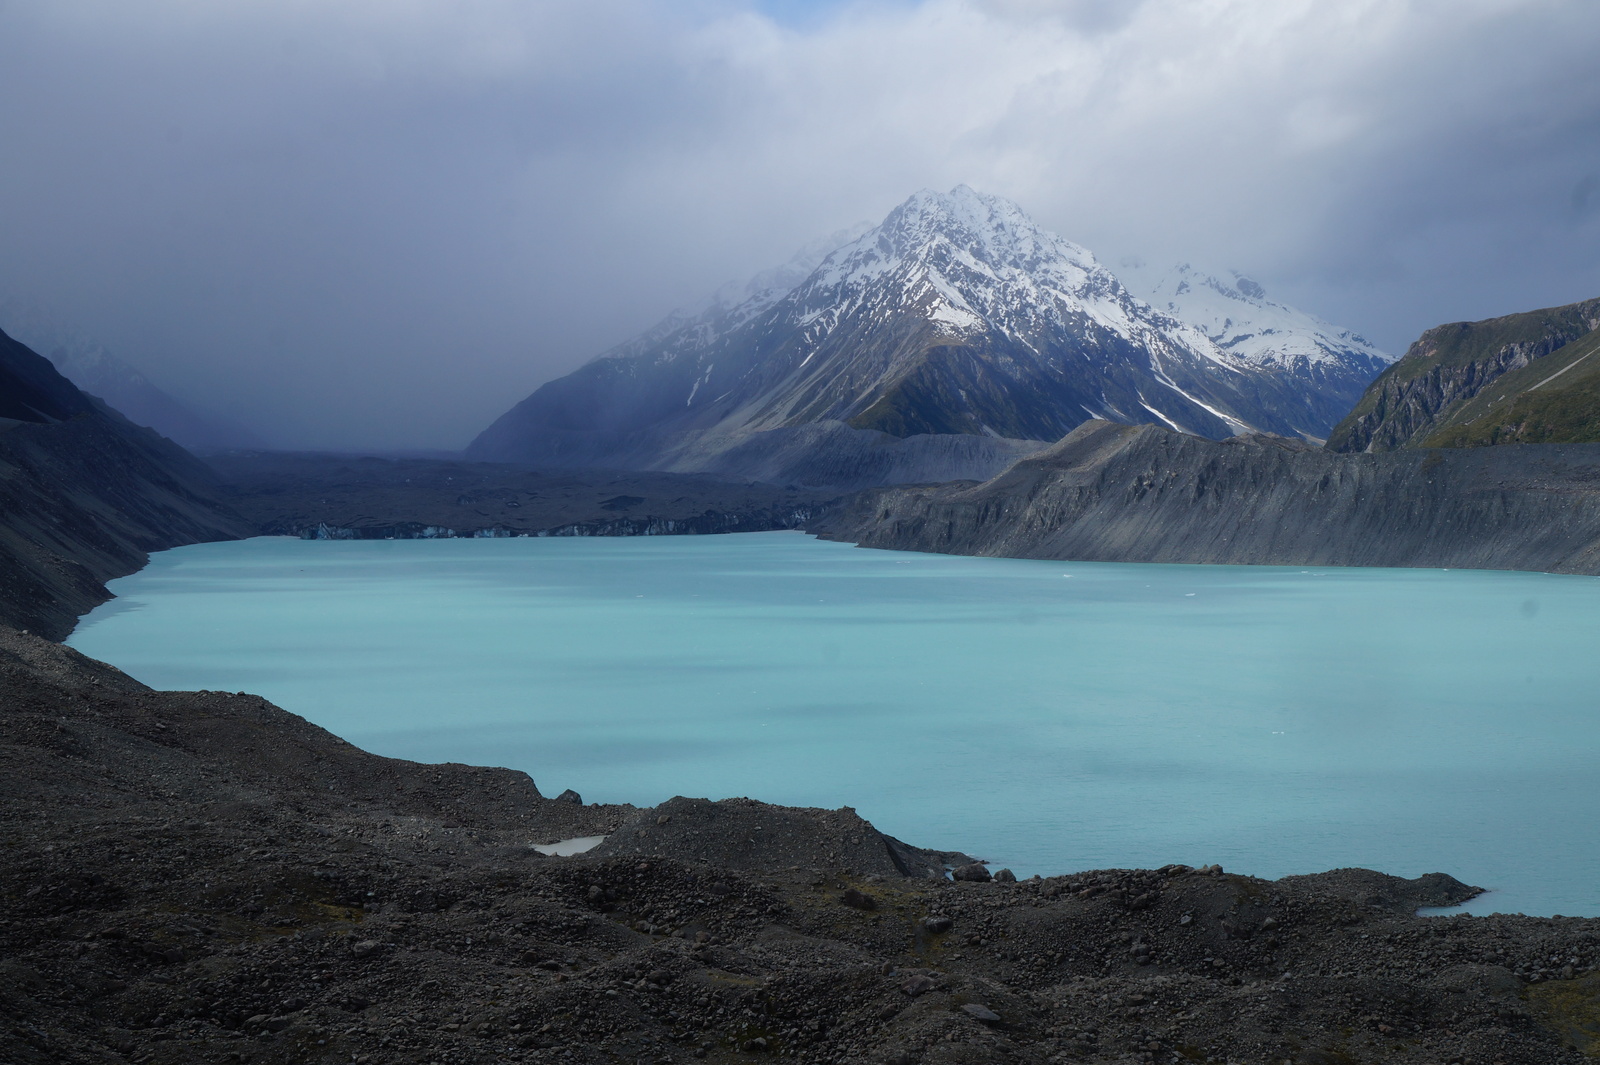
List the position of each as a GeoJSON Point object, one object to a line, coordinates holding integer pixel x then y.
{"type": "Point", "coordinates": [992, 229]}
{"type": "Point", "coordinates": [966, 263]}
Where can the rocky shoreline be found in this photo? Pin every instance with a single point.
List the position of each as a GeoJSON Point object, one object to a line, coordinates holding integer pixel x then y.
{"type": "Point", "coordinates": [710, 523]}
{"type": "Point", "coordinates": [82, 501]}
{"type": "Point", "coordinates": [203, 877]}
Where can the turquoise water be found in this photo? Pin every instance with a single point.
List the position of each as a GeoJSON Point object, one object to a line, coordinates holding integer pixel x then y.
{"type": "Point", "coordinates": [1049, 716]}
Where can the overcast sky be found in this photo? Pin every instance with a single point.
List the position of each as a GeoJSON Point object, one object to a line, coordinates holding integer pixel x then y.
{"type": "Point", "coordinates": [379, 223]}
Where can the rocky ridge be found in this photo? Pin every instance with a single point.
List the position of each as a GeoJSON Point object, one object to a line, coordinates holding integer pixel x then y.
{"type": "Point", "coordinates": [1553, 400]}
{"type": "Point", "coordinates": [1118, 493]}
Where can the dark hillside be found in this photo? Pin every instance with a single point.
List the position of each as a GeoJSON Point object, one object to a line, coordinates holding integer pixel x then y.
{"type": "Point", "coordinates": [84, 495]}
{"type": "Point", "coordinates": [31, 390]}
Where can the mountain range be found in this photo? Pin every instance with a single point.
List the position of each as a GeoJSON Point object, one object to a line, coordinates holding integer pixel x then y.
{"type": "Point", "coordinates": [944, 342]}
{"type": "Point", "coordinates": [204, 876]}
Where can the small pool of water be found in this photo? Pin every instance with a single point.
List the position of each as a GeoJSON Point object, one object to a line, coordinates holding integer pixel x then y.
{"type": "Point", "coordinates": [1049, 716]}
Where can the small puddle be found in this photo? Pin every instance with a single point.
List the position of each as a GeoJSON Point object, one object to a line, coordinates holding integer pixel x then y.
{"type": "Point", "coordinates": [564, 848]}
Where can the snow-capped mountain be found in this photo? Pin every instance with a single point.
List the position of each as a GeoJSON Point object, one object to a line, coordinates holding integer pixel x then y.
{"type": "Point", "coordinates": [1237, 315]}
{"type": "Point", "coordinates": [957, 316]}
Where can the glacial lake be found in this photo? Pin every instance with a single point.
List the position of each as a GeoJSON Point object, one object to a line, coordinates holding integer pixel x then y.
{"type": "Point", "coordinates": [1048, 716]}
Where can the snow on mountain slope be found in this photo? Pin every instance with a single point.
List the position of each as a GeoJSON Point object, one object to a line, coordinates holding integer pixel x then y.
{"type": "Point", "coordinates": [751, 297]}
{"type": "Point", "coordinates": [1239, 318]}
{"type": "Point", "coordinates": [1029, 308]}
{"type": "Point", "coordinates": [977, 262]}
{"type": "Point", "coordinates": [957, 315]}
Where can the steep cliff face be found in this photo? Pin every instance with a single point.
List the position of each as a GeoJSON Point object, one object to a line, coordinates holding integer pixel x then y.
{"type": "Point", "coordinates": [1450, 365]}
{"type": "Point", "coordinates": [1117, 493]}
{"type": "Point", "coordinates": [84, 494]}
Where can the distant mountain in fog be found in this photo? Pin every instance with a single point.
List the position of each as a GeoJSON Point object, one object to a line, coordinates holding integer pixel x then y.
{"type": "Point", "coordinates": [96, 371]}
{"type": "Point", "coordinates": [957, 317]}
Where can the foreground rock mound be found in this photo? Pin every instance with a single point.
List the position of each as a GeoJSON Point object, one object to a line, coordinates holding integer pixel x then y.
{"type": "Point", "coordinates": [1118, 493]}
{"type": "Point", "coordinates": [1385, 892]}
{"type": "Point", "coordinates": [750, 835]}
{"type": "Point", "coordinates": [203, 877]}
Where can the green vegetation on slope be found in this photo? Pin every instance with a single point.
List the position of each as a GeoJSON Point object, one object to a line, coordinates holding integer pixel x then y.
{"type": "Point", "coordinates": [1555, 400]}
{"type": "Point", "coordinates": [1450, 365]}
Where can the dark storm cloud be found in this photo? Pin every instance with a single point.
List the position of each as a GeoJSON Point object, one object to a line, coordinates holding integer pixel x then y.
{"type": "Point", "coordinates": [381, 222]}
{"type": "Point", "coordinates": [345, 224]}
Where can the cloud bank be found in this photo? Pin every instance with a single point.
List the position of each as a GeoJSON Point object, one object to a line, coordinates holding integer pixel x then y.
{"type": "Point", "coordinates": [380, 222]}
